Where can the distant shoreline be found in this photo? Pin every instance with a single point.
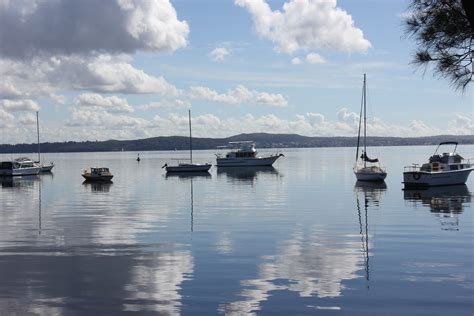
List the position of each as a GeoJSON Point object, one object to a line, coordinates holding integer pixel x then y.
{"type": "Point", "coordinates": [263, 140]}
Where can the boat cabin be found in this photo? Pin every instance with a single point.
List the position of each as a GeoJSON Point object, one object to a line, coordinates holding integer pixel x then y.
{"type": "Point", "coordinates": [100, 171]}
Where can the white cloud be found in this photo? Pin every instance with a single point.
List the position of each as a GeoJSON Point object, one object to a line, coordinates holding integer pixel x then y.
{"type": "Point", "coordinates": [19, 105]}
{"type": "Point", "coordinates": [176, 103]}
{"type": "Point", "coordinates": [219, 53]}
{"type": "Point", "coordinates": [109, 104]}
{"type": "Point", "coordinates": [27, 119]}
{"type": "Point", "coordinates": [274, 99]}
{"type": "Point", "coordinates": [296, 61]}
{"type": "Point", "coordinates": [103, 73]}
{"type": "Point", "coordinates": [120, 26]}
{"type": "Point", "coordinates": [314, 58]}
{"type": "Point", "coordinates": [6, 122]}
{"type": "Point", "coordinates": [100, 118]}
{"type": "Point", "coordinates": [462, 125]}
{"type": "Point", "coordinates": [239, 95]}
{"type": "Point", "coordinates": [305, 25]}
{"type": "Point", "coordinates": [86, 123]}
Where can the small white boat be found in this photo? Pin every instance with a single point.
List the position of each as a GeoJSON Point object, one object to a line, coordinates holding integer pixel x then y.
{"type": "Point", "coordinates": [97, 174]}
{"type": "Point", "coordinates": [366, 169]}
{"type": "Point", "coordinates": [190, 166]}
{"type": "Point", "coordinates": [19, 168]}
{"type": "Point", "coordinates": [441, 169]}
{"type": "Point", "coordinates": [244, 154]}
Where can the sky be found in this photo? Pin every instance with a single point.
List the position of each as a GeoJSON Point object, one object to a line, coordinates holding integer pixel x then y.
{"type": "Point", "coordinates": [123, 69]}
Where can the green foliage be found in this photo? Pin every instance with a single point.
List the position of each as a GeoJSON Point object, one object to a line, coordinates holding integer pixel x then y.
{"type": "Point", "coordinates": [444, 36]}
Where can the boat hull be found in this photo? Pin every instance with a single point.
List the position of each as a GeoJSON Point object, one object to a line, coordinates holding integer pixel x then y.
{"type": "Point", "coordinates": [247, 162]}
{"type": "Point", "coordinates": [370, 174]}
{"type": "Point", "coordinates": [95, 178]}
{"type": "Point", "coordinates": [426, 179]}
{"type": "Point", "coordinates": [189, 168]}
{"type": "Point", "coordinates": [47, 168]}
{"type": "Point", "coordinates": [20, 172]}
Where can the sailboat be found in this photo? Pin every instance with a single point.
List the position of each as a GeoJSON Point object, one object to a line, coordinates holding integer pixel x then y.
{"type": "Point", "coordinates": [44, 167]}
{"type": "Point", "coordinates": [366, 169]}
{"type": "Point", "coordinates": [189, 167]}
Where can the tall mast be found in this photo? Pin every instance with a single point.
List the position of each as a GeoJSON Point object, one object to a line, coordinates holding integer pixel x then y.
{"type": "Point", "coordinates": [365, 123]}
{"type": "Point", "coordinates": [38, 134]}
{"type": "Point", "coordinates": [190, 139]}
{"type": "Point", "coordinates": [360, 124]}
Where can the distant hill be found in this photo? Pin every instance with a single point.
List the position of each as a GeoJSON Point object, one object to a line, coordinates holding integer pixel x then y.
{"type": "Point", "coordinates": [263, 140]}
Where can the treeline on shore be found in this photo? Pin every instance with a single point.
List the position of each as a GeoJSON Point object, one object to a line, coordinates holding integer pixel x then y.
{"type": "Point", "coordinates": [263, 140]}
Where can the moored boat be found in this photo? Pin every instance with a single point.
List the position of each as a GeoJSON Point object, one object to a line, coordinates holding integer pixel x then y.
{"type": "Point", "coordinates": [190, 166]}
{"type": "Point", "coordinates": [97, 174]}
{"type": "Point", "coordinates": [441, 169]}
{"type": "Point", "coordinates": [19, 168]}
{"type": "Point", "coordinates": [244, 154]}
{"type": "Point", "coordinates": [366, 169]}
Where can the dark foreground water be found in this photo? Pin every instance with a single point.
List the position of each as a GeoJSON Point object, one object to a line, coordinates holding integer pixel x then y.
{"type": "Point", "coordinates": [299, 238]}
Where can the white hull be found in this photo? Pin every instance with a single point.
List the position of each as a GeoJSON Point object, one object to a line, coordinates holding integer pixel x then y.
{"type": "Point", "coordinates": [47, 168]}
{"type": "Point", "coordinates": [371, 173]}
{"type": "Point", "coordinates": [20, 172]}
{"type": "Point", "coordinates": [246, 161]}
{"type": "Point", "coordinates": [189, 168]}
{"type": "Point", "coordinates": [423, 178]}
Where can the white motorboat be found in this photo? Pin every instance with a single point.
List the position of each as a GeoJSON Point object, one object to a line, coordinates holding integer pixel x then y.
{"type": "Point", "coordinates": [97, 174]}
{"type": "Point", "coordinates": [441, 169]}
{"type": "Point", "coordinates": [190, 166]}
{"type": "Point", "coordinates": [19, 168]}
{"type": "Point", "coordinates": [366, 169]}
{"type": "Point", "coordinates": [244, 154]}
{"type": "Point", "coordinates": [44, 167]}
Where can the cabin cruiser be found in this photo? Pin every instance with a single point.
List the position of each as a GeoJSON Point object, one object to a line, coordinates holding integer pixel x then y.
{"type": "Point", "coordinates": [97, 174]}
{"type": "Point", "coordinates": [244, 154]}
{"type": "Point", "coordinates": [44, 167]}
{"type": "Point", "coordinates": [441, 169]}
{"type": "Point", "coordinates": [19, 168]}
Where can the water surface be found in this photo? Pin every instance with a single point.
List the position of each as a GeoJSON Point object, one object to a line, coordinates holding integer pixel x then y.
{"type": "Point", "coordinates": [299, 238]}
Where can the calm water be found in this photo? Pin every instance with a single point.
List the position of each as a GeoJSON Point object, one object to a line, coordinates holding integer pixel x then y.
{"type": "Point", "coordinates": [299, 238]}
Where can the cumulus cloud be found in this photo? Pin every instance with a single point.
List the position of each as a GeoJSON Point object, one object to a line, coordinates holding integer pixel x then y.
{"type": "Point", "coordinates": [87, 123]}
{"type": "Point", "coordinates": [19, 105]}
{"type": "Point", "coordinates": [314, 58]}
{"type": "Point", "coordinates": [101, 118]}
{"type": "Point", "coordinates": [62, 27]}
{"type": "Point", "coordinates": [103, 73]}
{"type": "Point", "coordinates": [305, 25]}
{"type": "Point", "coordinates": [240, 94]}
{"type": "Point", "coordinates": [296, 61]}
{"type": "Point", "coordinates": [219, 53]}
{"type": "Point", "coordinates": [176, 103]}
{"type": "Point", "coordinates": [109, 104]}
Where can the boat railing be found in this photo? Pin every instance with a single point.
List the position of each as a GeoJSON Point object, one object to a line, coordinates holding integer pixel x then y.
{"type": "Point", "coordinates": [412, 168]}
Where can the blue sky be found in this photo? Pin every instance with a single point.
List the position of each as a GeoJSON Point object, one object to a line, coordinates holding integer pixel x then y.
{"type": "Point", "coordinates": [130, 69]}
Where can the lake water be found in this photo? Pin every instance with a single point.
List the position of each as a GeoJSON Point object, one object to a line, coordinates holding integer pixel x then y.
{"type": "Point", "coordinates": [299, 238]}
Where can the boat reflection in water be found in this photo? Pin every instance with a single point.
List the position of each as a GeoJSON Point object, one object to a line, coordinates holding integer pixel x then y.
{"type": "Point", "coordinates": [19, 181]}
{"type": "Point", "coordinates": [98, 186]}
{"type": "Point", "coordinates": [247, 174]}
{"type": "Point", "coordinates": [371, 193]}
{"type": "Point", "coordinates": [446, 202]}
{"type": "Point", "coordinates": [188, 175]}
